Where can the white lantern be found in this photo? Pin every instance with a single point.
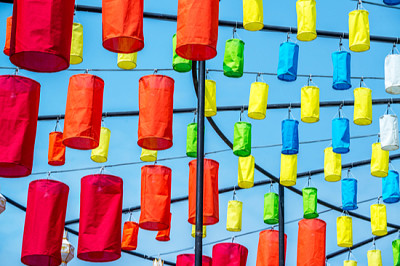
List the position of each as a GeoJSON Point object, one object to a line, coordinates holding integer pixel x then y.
{"type": "Point", "coordinates": [389, 132]}
{"type": "Point", "coordinates": [392, 77]}
{"type": "Point", "coordinates": [67, 250]}
{"type": "Point", "coordinates": [2, 203]}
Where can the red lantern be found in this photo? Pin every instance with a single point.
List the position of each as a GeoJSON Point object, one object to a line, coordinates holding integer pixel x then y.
{"type": "Point", "coordinates": [228, 254]}
{"type": "Point", "coordinates": [44, 223]}
{"type": "Point", "coordinates": [83, 112]}
{"type": "Point", "coordinates": [268, 248]}
{"type": "Point", "coordinates": [197, 29]}
{"type": "Point", "coordinates": [19, 107]}
{"type": "Point", "coordinates": [41, 34]}
{"type": "Point", "coordinates": [130, 236]}
{"type": "Point", "coordinates": [189, 260]}
{"type": "Point", "coordinates": [100, 218]}
{"type": "Point", "coordinates": [56, 154]}
{"type": "Point", "coordinates": [210, 199]}
{"type": "Point", "coordinates": [164, 235]}
{"type": "Point", "coordinates": [6, 50]}
{"type": "Point", "coordinates": [311, 242]}
{"type": "Point", "coordinates": [123, 25]}
{"type": "Point", "coordinates": [156, 94]}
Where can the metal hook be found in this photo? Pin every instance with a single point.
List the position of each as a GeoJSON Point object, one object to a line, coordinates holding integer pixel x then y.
{"type": "Point", "coordinates": [16, 71]}
{"type": "Point", "coordinates": [373, 242]}
{"type": "Point", "coordinates": [102, 169]}
{"type": "Point", "coordinates": [309, 80]}
{"type": "Point", "coordinates": [289, 110]}
{"type": "Point", "coordinates": [340, 43]}
{"type": "Point", "coordinates": [361, 81]}
{"type": "Point", "coordinates": [48, 174]}
{"type": "Point", "coordinates": [348, 173]}
{"type": "Point", "coordinates": [258, 76]}
{"type": "Point", "coordinates": [206, 73]}
{"type": "Point", "coordinates": [393, 48]}
{"type": "Point", "coordinates": [379, 199]}
{"type": "Point", "coordinates": [270, 185]}
{"type": "Point", "coordinates": [234, 193]}
{"type": "Point", "coordinates": [86, 71]}
{"type": "Point", "coordinates": [241, 112]}
{"type": "Point", "coordinates": [130, 214]}
{"type": "Point", "coordinates": [309, 178]}
{"type": "Point", "coordinates": [340, 109]}
{"type": "Point", "coordinates": [155, 71]}
{"type": "Point", "coordinates": [57, 123]}
{"type": "Point", "coordinates": [233, 239]}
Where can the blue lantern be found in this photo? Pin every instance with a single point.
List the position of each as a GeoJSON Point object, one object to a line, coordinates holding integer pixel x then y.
{"type": "Point", "coordinates": [341, 70]}
{"type": "Point", "coordinates": [349, 194]}
{"type": "Point", "coordinates": [290, 136]}
{"type": "Point", "coordinates": [390, 187]}
{"type": "Point", "coordinates": [391, 2]}
{"type": "Point", "coordinates": [340, 135]}
{"type": "Point", "coordinates": [288, 61]}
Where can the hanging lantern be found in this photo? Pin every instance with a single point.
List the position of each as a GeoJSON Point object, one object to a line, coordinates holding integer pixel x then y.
{"type": "Point", "coordinates": [225, 254]}
{"type": "Point", "coordinates": [268, 248]}
{"type": "Point", "coordinates": [332, 165]}
{"type": "Point", "coordinates": [197, 29]}
{"type": "Point", "coordinates": [349, 194]}
{"type": "Point", "coordinates": [309, 103]}
{"type": "Point", "coordinates": [306, 20]}
{"type": "Point", "coordinates": [311, 242]}
{"type": "Point", "coordinates": [18, 120]}
{"type": "Point", "coordinates": [246, 171]}
{"type": "Point", "coordinates": [359, 40]}
{"type": "Point", "coordinates": [56, 154]}
{"type": "Point", "coordinates": [310, 203]}
{"type": "Point", "coordinates": [127, 61]}
{"type": "Point", "coordinates": [155, 198]}
{"type": "Point", "coordinates": [76, 56]}
{"type": "Point", "coordinates": [340, 135]}
{"type": "Point", "coordinates": [189, 259]}
{"type": "Point", "coordinates": [349, 263]}
{"type": "Point", "coordinates": [234, 216]}
{"type": "Point", "coordinates": [44, 222]}
{"type": "Point", "coordinates": [379, 161]}
{"type": "Point", "coordinates": [210, 103]}
{"type": "Point", "coordinates": [67, 250]}
{"type": "Point", "coordinates": [100, 218]}
{"type": "Point", "coordinates": [233, 58]}
{"type": "Point", "coordinates": [210, 199]}
{"type": "Point", "coordinates": [253, 17]}
{"type": "Point", "coordinates": [271, 208]}
{"type": "Point", "coordinates": [389, 132]}
{"type": "Point", "coordinates": [41, 36]}
{"type": "Point", "coordinates": [130, 236]}
{"type": "Point", "coordinates": [100, 154]}
{"type": "Point", "coordinates": [374, 257]}
{"type": "Point", "coordinates": [288, 170]}
{"type": "Point", "coordinates": [392, 79]}
{"type": "Point", "coordinates": [191, 140]}
{"type": "Point", "coordinates": [258, 100]}
{"type": "Point", "coordinates": [341, 70]}
{"type": "Point", "coordinates": [123, 26]}
{"type": "Point", "coordinates": [391, 2]}
{"type": "Point", "coordinates": [3, 202]}
{"type": "Point", "coordinates": [390, 187]}
{"type": "Point", "coordinates": [378, 220]}
{"type": "Point", "coordinates": [396, 252]}
{"type": "Point", "coordinates": [290, 136]}
{"type": "Point", "coordinates": [148, 155]}
{"type": "Point", "coordinates": [179, 64]}
{"type": "Point", "coordinates": [362, 106]}
{"type": "Point", "coordinates": [193, 234]}
{"type": "Point", "coordinates": [242, 139]}
{"type": "Point", "coordinates": [344, 231]}
{"type": "Point", "coordinates": [164, 235]}
{"type": "Point", "coordinates": [83, 112]}
{"type": "Point", "coordinates": [156, 94]}
{"type": "Point", "coordinates": [288, 61]}
{"type": "Point", "coordinates": [6, 50]}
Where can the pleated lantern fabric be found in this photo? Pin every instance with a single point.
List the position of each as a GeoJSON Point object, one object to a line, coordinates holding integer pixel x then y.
{"type": "Point", "coordinates": [290, 136]}
{"type": "Point", "coordinates": [191, 140]}
{"type": "Point", "coordinates": [189, 260]}
{"type": "Point", "coordinates": [392, 79]}
{"type": "Point", "coordinates": [155, 198]}
{"type": "Point", "coordinates": [349, 263]}
{"type": "Point", "coordinates": [349, 194]}
{"type": "Point", "coordinates": [246, 171]}
{"type": "Point", "coordinates": [288, 174]}
{"type": "Point", "coordinates": [56, 153]}
{"type": "Point", "coordinates": [44, 223]}
{"type": "Point", "coordinates": [359, 40]}
{"type": "Point", "coordinates": [340, 135]}
{"type": "Point", "coordinates": [344, 231]}
{"type": "Point", "coordinates": [253, 17]}
{"type": "Point", "coordinates": [130, 236]}
{"type": "Point", "coordinates": [123, 26]}
{"type": "Point", "coordinates": [391, 2]}
{"type": "Point", "coordinates": [258, 100]}
{"type": "Point", "coordinates": [179, 64]}
{"type": "Point", "coordinates": [378, 219]}
{"type": "Point", "coordinates": [100, 154]}
{"type": "Point", "coordinates": [374, 257]}
{"type": "Point", "coordinates": [155, 112]}
{"type": "Point", "coordinates": [288, 61]}
{"type": "Point", "coordinates": [332, 165]}
{"type": "Point", "coordinates": [310, 203]}
{"type": "Point", "coordinates": [271, 208]}
{"type": "Point", "coordinates": [193, 234]}
{"type": "Point", "coordinates": [390, 187]}
{"type": "Point", "coordinates": [396, 252]}
{"type": "Point", "coordinates": [148, 155]}
{"type": "Point", "coordinates": [379, 161]}
{"type": "Point", "coordinates": [227, 254]}
{"type": "Point", "coordinates": [268, 248]}
{"type": "Point", "coordinates": [164, 235]}
{"type": "Point", "coordinates": [306, 20]}
{"type": "Point", "coordinates": [234, 58]}
{"type": "Point", "coordinates": [6, 49]}
{"type": "Point", "coordinates": [310, 104]}
{"type": "Point", "coordinates": [234, 216]}
{"type": "Point", "coordinates": [389, 132]}
{"type": "Point", "coordinates": [127, 61]}
{"type": "Point", "coordinates": [100, 218]}
{"type": "Point", "coordinates": [242, 139]}
{"type": "Point", "coordinates": [341, 70]}
{"type": "Point", "coordinates": [311, 242]}
{"type": "Point", "coordinates": [211, 197]}
{"type": "Point", "coordinates": [362, 106]}
{"type": "Point", "coordinates": [197, 29]}
{"type": "Point", "coordinates": [210, 104]}
{"type": "Point", "coordinates": [76, 55]}
{"type": "Point", "coordinates": [19, 106]}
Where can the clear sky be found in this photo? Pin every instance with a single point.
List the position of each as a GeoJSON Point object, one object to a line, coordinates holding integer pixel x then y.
{"type": "Point", "coordinates": [261, 55]}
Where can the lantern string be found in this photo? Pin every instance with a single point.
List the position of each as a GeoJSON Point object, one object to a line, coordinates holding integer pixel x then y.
{"type": "Point", "coordinates": [378, 4]}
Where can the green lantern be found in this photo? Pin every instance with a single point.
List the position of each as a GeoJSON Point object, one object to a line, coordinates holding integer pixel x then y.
{"type": "Point", "coordinates": [242, 139]}
{"type": "Point", "coordinates": [191, 140]}
{"type": "Point", "coordinates": [310, 203]}
{"type": "Point", "coordinates": [234, 58]}
{"type": "Point", "coordinates": [271, 208]}
{"type": "Point", "coordinates": [396, 252]}
{"type": "Point", "coordinates": [179, 64]}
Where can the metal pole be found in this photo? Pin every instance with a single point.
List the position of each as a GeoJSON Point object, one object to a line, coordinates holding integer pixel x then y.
{"type": "Point", "coordinates": [281, 226]}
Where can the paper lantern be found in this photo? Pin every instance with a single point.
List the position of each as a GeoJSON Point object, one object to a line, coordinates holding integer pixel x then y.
{"type": "Point", "coordinates": [3, 203]}
{"type": "Point", "coordinates": [392, 67]}
{"type": "Point", "coordinates": [359, 40]}
{"type": "Point", "coordinates": [44, 223]}
{"type": "Point", "coordinates": [246, 171]}
{"type": "Point", "coordinates": [210, 199]}
{"type": "Point", "coordinates": [83, 112]}
{"type": "Point", "coordinates": [396, 252]}
{"type": "Point", "coordinates": [191, 140]}
{"type": "Point", "coordinates": [210, 104]}
{"type": "Point", "coordinates": [130, 236]}
{"type": "Point", "coordinates": [225, 254]}
{"type": "Point", "coordinates": [379, 161]}
{"type": "Point", "coordinates": [378, 220]}
{"type": "Point", "coordinates": [389, 132]}
{"type": "Point", "coordinates": [258, 100]}
{"type": "Point", "coordinates": [56, 153]}
{"type": "Point", "coordinates": [100, 154]}
{"type": "Point", "coordinates": [193, 234]}
{"type": "Point", "coordinates": [288, 61]}
{"type": "Point", "coordinates": [234, 58]}
{"type": "Point", "coordinates": [288, 175]}
{"type": "Point", "coordinates": [311, 242]}
{"type": "Point", "coordinates": [242, 139]}
{"type": "Point", "coordinates": [18, 119]}
{"type": "Point", "coordinates": [268, 248]}
{"type": "Point", "coordinates": [127, 61]}
{"type": "Point", "coordinates": [189, 260]}
{"type": "Point", "coordinates": [123, 26]}
{"type": "Point", "coordinates": [341, 70]}
{"type": "Point", "coordinates": [374, 257]}
{"type": "Point", "coordinates": [340, 135]}
{"type": "Point", "coordinates": [76, 56]}
{"type": "Point", "coordinates": [310, 104]}
{"type": "Point", "coordinates": [271, 208]}
{"type": "Point", "coordinates": [349, 194]}
{"type": "Point", "coordinates": [164, 235]}
{"type": "Point", "coordinates": [148, 155]}
{"type": "Point", "coordinates": [156, 94]}
{"type": "Point", "coordinates": [6, 49]}
{"type": "Point", "coordinates": [155, 198]}
{"type": "Point", "coordinates": [362, 106]}
{"type": "Point", "coordinates": [67, 250]}
{"type": "Point", "coordinates": [179, 64]}
{"type": "Point", "coordinates": [234, 216]}
{"type": "Point", "coordinates": [310, 203]}
{"type": "Point", "coordinates": [391, 2]}
{"type": "Point", "coordinates": [100, 218]}
{"type": "Point", "coordinates": [332, 165]}
{"type": "Point", "coordinates": [253, 16]}
{"type": "Point", "coordinates": [349, 263]}
{"type": "Point", "coordinates": [306, 20]}
{"type": "Point", "coordinates": [290, 136]}
{"type": "Point", "coordinates": [344, 231]}
{"type": "Point", "coordinates": [390, 187]}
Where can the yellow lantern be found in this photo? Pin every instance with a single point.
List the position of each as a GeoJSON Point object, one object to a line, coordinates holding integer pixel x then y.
{"type": "Point", "coordinates": [194, 231]}
{"type": "Point", "coordinates": [344, 227]}
{"type": "Point", "coordinates": [148, 155]}
{"type": "Point", "coordinates": [67, 250]}
{"type": "Point", "coordinates": [350, 263]}
{"type": "Point", "coordinates": [379, 161]}
{"type": "Point", "coordinates": [210, 105]}
{"type": "Point", "coordinates": [253, 16]}
{"type": "Point", "coordinates": [258, 100]}
{"type": "Point", "coordinates": [310, 104]}
{"type": "Point", "coordinates": [359, 39]}
{"type": "Point", "coordinates": [127, 61]}
{"type": "Point", "coordinates": [332, 165]}
{"type": "Point", "coordinates": [76, 56]}
{"type": "Point", "coordinates": [99, 154]}
{"type": "Point", "coordinates": [288, 175]}
{"type": "Point", "coordinates": [246, 171]}
{"type": "Point", "coordinates": [362, 106]}
{"type": "Point", "coordinates": [234, 216]}
{"type": "Point", "coordinates": [374, 257]}
{"type": "Point", "coordinates": [378, 219]}
{"type": "Point", "coordinates": [306, 20]}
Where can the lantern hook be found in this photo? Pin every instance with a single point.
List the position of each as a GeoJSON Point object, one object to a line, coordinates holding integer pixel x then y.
{"type": "Point", "coordinates": [379, 199]}
{"type": "Point", "coordinates": [289, 110]}
{"type": "Point", "coordinates": [233, 239]}
{"type": "Point", "coordinates": [270, 185]}
{"type": "Point", "coordinates": [234, 193]}
{"type": "Point", "coordinates": [194, 116]}
{"type": "Point", "coordinates": [207, 73]}
{"type": "Point", "coordinates": [309, 80]}
{"type": "Point", "coordinates": [394, 46]}
{"type": "Point", "coordinates": [309, 179]}
{"type": "Point", "coordinates": [233, 32]}
{"type": "Point", "coordinates": [340, 111]}
{"type": "Point", "coordinates": [86, 71]}
{"type": "Point", "coordinates": [340, 43]}
{"type": "Point", "coordinates": [130, 214]}
{"type": "Point", "coordinates": [48, 174]}
{"type": "Point", "coordinates": [16, 71]}
{"type": "Point", "coordinates": [373, 242]}
{"type": "Point", "coordinates": [348, 255]}
{"type": "Point", "coordinates": [241, 112]}
{"type": "Point", "coordinates": [359, 4]}
{"type": "Point", "coordinates": [57, 123]}
{"type": "Point", "coordinates": [155, 71]}
{"type": "Point", "coordinates": [348, 172]}
{"type": "Point", "coordinates": [258, 76]}
{"type": "Point", "coordinates": [102, 169]}
{"type": "Point", "coordinates": [361, 81]}
{"type": "Point", "coordinates": [398, 234]}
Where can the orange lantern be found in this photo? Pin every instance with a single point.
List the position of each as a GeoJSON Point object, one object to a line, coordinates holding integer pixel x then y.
{"type": "Point", "coordinates": [130, 236]}
{"type": "Point", "coordinates": [268, 248]}
{"type": "Point", "coordinates": [163, 235]}
{"type": "Point", "coordinates": [56, 154]}
{"type": "Point", "coordinates": [6, 50]}
{"type": "Point", "coordinates": [311, 242]}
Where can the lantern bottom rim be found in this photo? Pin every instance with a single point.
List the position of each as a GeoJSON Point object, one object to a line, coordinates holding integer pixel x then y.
{"type": "Point", "coordinates": [75, 59]}
{"type": "Point", "coordinates": [245, 184]}
{"type": "Point", "coordinates": [333, 178]}
{"type": "Point", "coordinates": [153, 226]}
{"type": "Point", "coordinates": [309, 119]}
{"type": "Point", "coordinates": [359, 47]}
{"type": "Point", "coordinates": [379, 232]}
{"type": "Point", "coordinates": [345, 244]}
{"type": "Point", "coordinates": [310, 216]}
{"type": "Point", "coordinates": [233, 229]}
{"type": "Point", "coordinates": [362, 121]}
{"type": "Point", "coordinates": [56, 162]}
{"type": "Point", "coordinates": [287, 183]}
{"type": "Point", "coordinates": [99, 256]}
{"type": "Point", "coordinates": [80, 143]}
{"type": "Point", "coordinates": [192, 154]}
{"type": "Point", "coordinates": [256, 115]}
{"type": "Point", "coordinates": [128, 248]}
{"type": "Point", "coordinates": [233, 74]}
{"type": "Point", "coordinates": [40, 259]}
{"type": "Point", "coordinates": [126, 64]}
{"type": "Point", "coordinates": [12, 169]}
{"type": "Point", "coordinates": [393, 89]}
{"type": "Point", "coordinates": [98, 158]}
{"type": "Point", "coordinates": [350, 208]}
{"type": "Point", "coordinates": [390, 147]}
{"type": "Point", "coordinates": [288, 77]}
{"type": "Point", "coordinates": [306, 36]}
{"type": "Point", "coordinates": [182, 67]}
{"type": "Point", "coordinates": [38, 61]}
{"type": "Point", "coordinates": [242, 153]}
{"type": "Point", "coordinates": [207, 220]}
{"type": "Point", "coordinates": [253, 25]}
{"type": "Point", "coordinates": [147, 158]}
{"type": "Point", "coordinates": [6, 52]}
{"type": "Point", "coordinates": [379, 173]}
{"type": "Point", "coordinates": [271, 221]}
{"type": "Point", "coordinates": [155, 143]}
{"type": "Point", "coordinates": [290, 151]}
{"type": "Point", "coordinates": [196, 52]}
{"type": "Point", "coordinates": [209, 113]}
{"type": "Point", "coordinates": [392, 199]}
{"type": "Point", "coordinates": [123, 44]}
{"type": "Point", "coordinates": [341, 150]}
{"type": "Point", "coordinates": [340, 86]}
{"type": "Point", "coordinates": [163, 239]}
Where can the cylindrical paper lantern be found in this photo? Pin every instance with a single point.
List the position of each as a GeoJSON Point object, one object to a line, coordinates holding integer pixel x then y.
{"type": "Point", "coordinates": [56, 154]}
{"type": "Point", "coordinates": [310, 104]}
{"type": "Point", "coordinates": [391, 2]}
{"type": "Point", "coordinates": [189, 260]}
{"type": "Point", "coordinates": [389, 132]}
{"type": "Point", "coordinates": [310, 203]}
{"type": "Point", "coordinates": [288, 175]}
{"type": "Point", "coordinates": [191, 140]}
{"type": "Point", "coordinates": [392, 79]}
{"type": "Point", "coordinates": [311, 242]}
{"type": "Point", "coordinates": [83, 112]}
{"type": "Point", "coordinates": [288, 61]}
{"type": "Point", "coordinates": [210, 199]}
{"type": "Point", "coordinates": [123, 26]}
{"type": "Point", "coordinates": [130, 236]}
{"type": "Point", "coordinates": [268, 248]}
{"type": "Point", "coordinates": [340, 135]}
{"type": "Point", "coordinates": [349, 263]}
{"type": "Point", "coordinates": [359, 40]}
{"type": "Point", "coordinates": [378, 219]}
{"type": "Point", "coordinates": [155, 198]}
{"type": "Point", "coordinates": [242, 139]}
{"type": "Point", "coordinates": [44, 223]}
{"type": "Point", "coordinates": [246, 171]}
{"type": "Point", "coordinates": [306, 20]}
{"type": "Point", "coordinates": [390, 187]}
{"type": "Point", "coordinates": [225, 254]}
{"type": "Point", "coordinates": [76, 55]}
{"type": "Point", "coordinates": [164, 235]}
{"type": "Point", "coordinates": [379, 161]}
{"type": "Point", "coordinates": [271, 208]}
{"type": "Point", "coordinates": [193, 234]}
{"type": "Point", "coordinates": [362, 106]}
{"type": "Point", "coordinates": [179, 64]}
{"type": "Point", "coordinates": [344, 231]}
{"type": "Point", "coordinates": [349, 194]}
{"type": "Point", "coordinates": [396, 252]}
{"type": "Point", "coordinates": [341, 70]}
{"type": "Point", "coordinates": [253, 15]}
{"type": "Point", "coordinates": [127, 61]}
{"type": "Point", "coordinates": [156, 112]}
{"type": "Point", "coordinates": [290, 136]}
{"type": "Point", "coordinates": [100, 218]}
{"type": "Point", "coordinates": [234, 58]}
{"type": "Point", "coordinates": [148, 155]}
{"type": "Point", "coordinates": [6, 50]}
{"type": "Point", "coordinates": [234, 216]}
{"type": "Point", "coordinates": [19, 97]}
{"type": "Point", "coordinates": [332, 165]}
{"type": "Point", "coordinates": [258, 100]}
{"type": "Point", "coordinates": [100, 154]}
{"type": "Point", "coordinates": [374, 257]}
{"type": "Point", "coordinates": [210, 104]}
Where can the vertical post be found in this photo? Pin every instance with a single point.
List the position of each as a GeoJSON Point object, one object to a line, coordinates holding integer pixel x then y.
{"type": "Point", "coordinates": [281, 226]}
{"type": "Point", "coordinates": [200, 164]}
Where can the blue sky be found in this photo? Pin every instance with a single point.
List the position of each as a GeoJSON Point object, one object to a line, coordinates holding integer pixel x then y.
{"type": "Point", "coordinates": [261, 55]}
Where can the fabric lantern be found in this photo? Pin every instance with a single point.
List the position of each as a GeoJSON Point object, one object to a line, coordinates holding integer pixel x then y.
{"type": "Point", "coordinates": [164, 235]}
{"type": "Point", "coordinates": [3, 202]}
{"type": "Point", "coordinates": [310, 203]}
{"type": "Point", "coordinates": [396, 252]}
{"type": "Point", "coordinates": [210, 103]}
{"type": "Point", "coordinates": [100, 154]}
{"type": "Point", "coordinates": [271, 208]}
{"type": "Point", "coordinates": [76, 56]}
{"type": "Point", "coordinates": [226, 254]}
{"type": "Point", "coordinates": [390, 187]}
{"type": "Point", "coordinates": [268, 248]}
{"type": "Point", "coordinates": [234, 58]}
{"type": "Point", "coordinates": [389, 132]}
{"type": "Point", "coordinates": [193, 234]}
{"type": "Point", "coordinates": [309, 103]}
{"type": "Point", "coordinates": [288, 61]}
{"type": "Point", "coordinates": [155, 112]}
{"type": "Point", "coordinates": [242, 139]}
{"type": "Point", "coordinates": [197, 29]}
{"type": "Point", "coordinates": [349, 263]}
{"type": "Point", "coordinates": [344, 231]}
{"type": "Point", "coordinates": [155, 198]}
{"type": "Point", "coordinates": [67, 250]}
{"type": "Point", "coordinates": [44, 223]}
{"type": "Point", "coordinates": [127, 61]}
{"type": "Point", "coordinates": [391, 2]}
{"type": "Point", "coordinates": [130, 236]}
{"type": "Point", "coordinates": [359, 40]}
{"type": "Point", "coordinates": [191, 140]}
{"type": "Point", "coordinates": [234, 216]}
{"type": "Point", "coordinates": [392, 79]}
{"type": "Point", "coordinates": [179, 64]}
{"type": "Point", "coordinates": [258, 100]}
{"type": "Point", "coordinates": [374, 257]}
{"type": "Point", "coordinates": [349, 194]}
{"type": "Point", "coordinates": [306, 20]}
{"type": "Point", "coordinates": [311, 242]}
{"type": "Point", "coordinates": [341, 70]}
{"type": "Point", "coordinates": [19, 97]}
{"type": "Point", "coordinates": [123, 26]}
{"type": "Point", "coordinates": [210, 199]}
{"type": "Point", "coordinates": [332, 165]}
{"type": "Point", "coordinates": [56, 154]}
{"type": "Point", "coordinates": [340, 135]}
{"type": "Point", "coordinates": [6, 50]}
{"type": "Point", "coordinates": [189, 259]}
{"type": "Point", "coordinates": [246, 171]}
{"type": "Point", "coordinates": [288, 175]}
{"type": "Point", "coordinates": [379, 161]}
{"type": "Point", "coordinates": [148, 155]}
{"type": "Point", "coordinates": [378, 220]}
{"type": "Point", "coordinates": [290, 136]}
{"type": "Point", "coordinates": [100, 218]}
{"type": "Point", "coordinates": [253, 15]}
{"type": "Point", "coordinates": [83, 112]}
{"type": "Point", "coordinates": [362, 106]}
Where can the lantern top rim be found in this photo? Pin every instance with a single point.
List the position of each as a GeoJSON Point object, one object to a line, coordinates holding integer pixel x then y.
{"type": "Point", "coordinates": [156, 76]}
{"type": "Point", "coordinates": [87, 74]}
{"type": "Point", "coordinates": [21, 77]}
{"type": "Point", "coordinates": [205, 159]}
